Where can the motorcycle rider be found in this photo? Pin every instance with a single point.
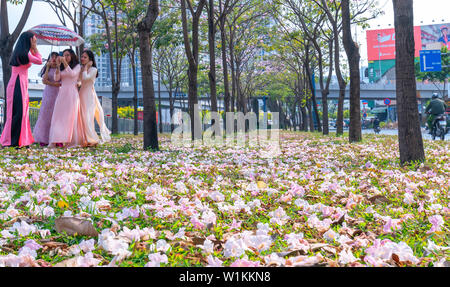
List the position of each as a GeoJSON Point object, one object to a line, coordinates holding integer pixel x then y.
{"type": "Point", "coordinates": [435, 108]}
{"type": "Point", "coordinates": [376, 124]}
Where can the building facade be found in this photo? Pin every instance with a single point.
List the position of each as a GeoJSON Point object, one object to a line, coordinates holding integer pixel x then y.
{"type": "Point", "coordinates": [92, 26]}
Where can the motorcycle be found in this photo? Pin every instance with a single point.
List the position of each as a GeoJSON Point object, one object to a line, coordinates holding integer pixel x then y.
{"type": "Point", "coordinates": [439, 127]}
{"type": "Point", "coordinates": [376, 126]}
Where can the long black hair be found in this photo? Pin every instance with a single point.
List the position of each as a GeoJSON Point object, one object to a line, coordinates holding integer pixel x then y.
{"type": "Point", "coordinates": [20, 53]}
{"type": "Point", "coordinates": [91, 58]}
{"type": "Point", "coordinates": [73, 59]}
{"type": "Point", "coordinates": [42, 73]}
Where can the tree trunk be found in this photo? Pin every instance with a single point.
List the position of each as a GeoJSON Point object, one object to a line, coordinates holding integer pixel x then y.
{"type": "Point", "coordinates": [409, 133]}
{"type": "Point", "coordinates": [304, 118]}
{"type": "Point", "coordinates": [6, 69]}
{"type": "Point", "coordinates": [116, 79]}
{"type": "Point", "coordinates": [114, 103]}
{"type": "Point", "coordinates": [240, 104]}
{"type": "Point", "coordinates": [192, 56]}
{"type": "Point", "coordinates": [313, 93]}
{"type": "Point", "coordinates": [352, 51]}
{"type": "Point", "coordinates": [233, 74]}
{"type": "Point", "coordinates": [135, 96]}
{"type": "Point", "coordinates": [212, 57]}
{"type": "Point", "coordinates": [114, 85]}
{"type": "Point", "coordinates": [81, 29]}
{"type": "Point", "coordinates": [7, 41]}
{"type": "Point", "coordinates": [340, 111]}
{"type": "Point", "coordinates": [6, 76]}
{"type": "Point", "coordinates": [316, 111]}
{"type": "Point", "coordinates": [148, 90]}
{"type": "Point", "coordinates": [342, 86]}
{"type": "Point", "coordinates": [226, 82]}
{"type": "Point", "coordinates": [171, 108]}
{"type": "Point", "coordinates": [325, 88]}
{"type": "Point", "coordinates": [159, 100]}
{"type": "Point", "coordinates": [294, 115]}
{"type": "Point", "coordinates": [311, 117]}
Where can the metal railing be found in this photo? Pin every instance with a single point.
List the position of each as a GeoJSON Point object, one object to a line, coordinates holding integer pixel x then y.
{"type": "Point", "coordinates": [34, 114]}
{"type": "Point", "coordinates": [125, 126]}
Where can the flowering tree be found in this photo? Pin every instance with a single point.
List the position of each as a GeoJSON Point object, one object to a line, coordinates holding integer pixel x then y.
{"type": "Point", "coordinates": [7, 39]}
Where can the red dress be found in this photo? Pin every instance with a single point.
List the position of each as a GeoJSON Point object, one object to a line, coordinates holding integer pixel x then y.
{"type": "Point", "coordinates": [17, 130]}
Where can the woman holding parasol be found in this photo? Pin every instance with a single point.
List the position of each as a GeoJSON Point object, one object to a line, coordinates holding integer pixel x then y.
{"type": "Point", "coordinates": [17, 130]}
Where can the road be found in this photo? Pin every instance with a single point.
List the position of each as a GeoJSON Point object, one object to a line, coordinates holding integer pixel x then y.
{"type": "Point", "coordinates": [425, 134]}
{"type": "Point", "coordinates": [394, 132]}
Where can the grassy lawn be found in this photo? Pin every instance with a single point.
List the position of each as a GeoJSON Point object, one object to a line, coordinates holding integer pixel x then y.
{"type": "Point", "coordinates": [322, 201]}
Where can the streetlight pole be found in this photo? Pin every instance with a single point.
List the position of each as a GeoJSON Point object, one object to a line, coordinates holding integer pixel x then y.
{"type": "Point", "coordinates": [379, 66]}
{"type": "Point", "coordinates": [379, 54]}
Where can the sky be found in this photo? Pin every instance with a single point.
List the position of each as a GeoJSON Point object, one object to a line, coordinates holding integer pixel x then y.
{"type": "Point", "coordinates": [426, 12]}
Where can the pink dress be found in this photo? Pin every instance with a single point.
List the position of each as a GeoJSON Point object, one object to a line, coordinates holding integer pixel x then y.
{"type": "Point", "coordinates": [66, 126]}
{"type": "Point", "coordinates": [17, 130]}
{"type": "Point", "coordinates": [42, 127]}
{"type": "Point", "coordinates": [91, 110]}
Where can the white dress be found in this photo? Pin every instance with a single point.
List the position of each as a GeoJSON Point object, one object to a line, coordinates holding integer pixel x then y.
{"type": "Point", "coordinates": [91, 109]}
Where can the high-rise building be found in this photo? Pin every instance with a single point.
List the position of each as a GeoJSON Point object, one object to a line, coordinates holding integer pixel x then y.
{"type": "Point", "coordinates": [93, 25]}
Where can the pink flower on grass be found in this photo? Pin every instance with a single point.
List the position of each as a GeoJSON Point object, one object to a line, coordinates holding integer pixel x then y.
{"type": "Point", "coordinates": [437, 221]}
{"type": "Point", "coordinates": [235, 224]}
{"type": "Point", "coordinates": [23, 228]}
{"type": "Point", "coordinates": [346, 257]}
{"type": "Point", "coordinates": [274, 259]}
{"type": "Point", "coordinates": [87, 245]}
{"type": "Point", "coordinates": [380, 253]}
{"type": "Point", "coordinates": [420, 209]}
{"type": "Point", "coordinates": [297, 190]}
{"type": "Point", "coordinates": [31, 244]}
{"type": "Point", "coordinates": [278, 216]}
{"type": "Point", "coordinates": [197, 224]}
{"type": "Point", "coordinates": [88, 260]}
{"type": "Point", "coordinates": [156, 259]}
{"type": "Point", "coordinates": [391, 225]}
{"type": "Point", "coordinates": [331, 236]}
{"type": "Point", "coordinates": [244, 263]}
{"type": "Point", "coordinates": [409, 198]}
{"type": "Point", "coordinates": [234, 248]}
{"type": "Point", "coordinates": [207, 246]}
{"type": "Point", "coordinates": [214, 262]}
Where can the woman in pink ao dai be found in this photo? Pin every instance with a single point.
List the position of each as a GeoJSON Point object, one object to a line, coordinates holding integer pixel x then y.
{"type": "Point", "coordinates": [66, 127]}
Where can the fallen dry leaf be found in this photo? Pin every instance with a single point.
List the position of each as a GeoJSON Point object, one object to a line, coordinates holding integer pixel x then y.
{"type": "Point", "coordinates": [72, 226]}
{"type": "Point", "coordinates": [72, 262]}
{"type": "Point", "coordinates": [379, 199]}
{"type": "Point", "coordinates": [53, 244]}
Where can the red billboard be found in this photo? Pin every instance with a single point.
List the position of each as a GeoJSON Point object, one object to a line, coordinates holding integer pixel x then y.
{"type": "Point", "coordinates": [381, 43]}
